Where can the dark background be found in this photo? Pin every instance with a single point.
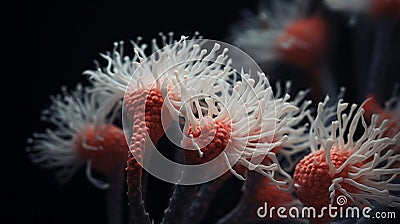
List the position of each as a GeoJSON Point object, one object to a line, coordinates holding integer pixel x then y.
{"type": "Point", "coordinates": [50, 44]}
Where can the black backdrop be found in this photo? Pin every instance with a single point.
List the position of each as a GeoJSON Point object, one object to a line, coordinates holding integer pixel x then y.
{"type": "Point", "coordinates": [50, 44]}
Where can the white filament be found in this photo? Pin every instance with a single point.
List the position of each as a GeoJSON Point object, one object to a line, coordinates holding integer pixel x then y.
{"type": "Point", "coordinates": [375, 179]}
{"type": "Point", "coordinates": [70, 113]}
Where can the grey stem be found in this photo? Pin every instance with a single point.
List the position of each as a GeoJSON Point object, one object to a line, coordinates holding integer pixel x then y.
{"type": "Point", "coordinates": [203, 199]}
{"type": "Point", "coordinates": [180, 201]}
{"type": "Point", "coordinates": [114, 197]}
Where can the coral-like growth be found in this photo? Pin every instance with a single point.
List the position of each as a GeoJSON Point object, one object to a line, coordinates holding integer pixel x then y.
{"type": "Point", "coordinates": [341, 165]}
{"type": "Point", "coordinates": [257, 33]}
{"type": "Point", "coordinates": [312, 175]}
{"type": "Point", "coordinates": [255, 118]}
{"type": "Point", "coordinates": [211, 138]}
{"type": "Point", "coordinates": [81, 135]}
{"type": "Point", "coordinates": [108, 147]}
{"type": "Point", "coordinates": [303, 42]}
{"type": "Point", "coordinates": [216, 105]}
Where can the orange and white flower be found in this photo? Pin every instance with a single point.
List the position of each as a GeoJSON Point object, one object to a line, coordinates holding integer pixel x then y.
{"type": "Point", "coordinates": [359, 168]}
{"type": "Point", "coordinates": [81, 135]}
{"type": "Point", "coordinates": [257, 33]}
{"type": "Point", "coordinates": [243, 126]}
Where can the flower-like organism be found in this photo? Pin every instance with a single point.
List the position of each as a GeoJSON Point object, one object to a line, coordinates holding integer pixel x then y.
{"type": "Point", "coordinates": [143, 83]}
{"type": "Point", "coordinates": [243, 127]}
{"type": "Point", "coordinates": [340, 165]}
{"type": "Point", "coordinates": [257, 188]}
{"type": "Point", "coordinates": [81, 135]}
{"type": "Point", "coordinates": [257, 33]}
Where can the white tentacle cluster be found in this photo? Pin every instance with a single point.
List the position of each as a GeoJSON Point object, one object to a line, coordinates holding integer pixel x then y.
{"type": "Point", "coordinates": [295, 124]}
{"type": "Point", "coordinates": [259, 122]}
{"type": "Point", "coordinates": [370, 157]}
{"type": "Point", "coordinates": [158, 69]}
{"type": "Point", "coordinates": [257, 33]}
{"type": "Point", "coordinates": [70, 113]}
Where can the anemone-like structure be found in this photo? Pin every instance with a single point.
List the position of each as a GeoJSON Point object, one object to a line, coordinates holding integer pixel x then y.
{"type": "Point", "coordinates": [344, 165]}
{"type": "Point", "coordinates": [81, 136]}
{"type": "Point", "coordinates": [257, 32]}
{"type": "Point", "coordinates": [83, 133]}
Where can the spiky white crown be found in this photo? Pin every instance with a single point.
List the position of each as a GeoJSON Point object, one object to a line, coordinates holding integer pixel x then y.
{"type": "Point", "coordinates": [116, 76]}
{"type": "Point", "coordinates": [295, 124]}
{"type": "Point", "coordinates": [257, 33]}
{"type": "Point", "coordinates": [370, 159]}
{"type": "Point", "coordinates": [57, 148]}
{"type": "Point", "coordinates": [259, 122]}
{"type": "Point", "coordinates": [158, 69]}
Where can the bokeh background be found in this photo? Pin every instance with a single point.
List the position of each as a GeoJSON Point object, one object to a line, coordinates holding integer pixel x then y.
{"type": "Point", "coordinates": [50, 44]}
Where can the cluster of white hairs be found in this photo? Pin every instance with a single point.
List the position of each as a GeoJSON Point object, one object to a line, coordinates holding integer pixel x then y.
{"type": "Point", "coordinates": [117, 75]}
{"type": "Point", "coordinates": [259, 122]}
{"type": "Point", "coordinates": [71, 114]}
{"type": "Point", "coordinates": [369, 165]}
{"type": "Point", "coordinates": [157, 70]}
{"type": "Point", "coordinates": [257, 32]}
{"type": "Point", "coordinates": [199, 84]}
{"type": "Point", "coordinates": [295, 124]}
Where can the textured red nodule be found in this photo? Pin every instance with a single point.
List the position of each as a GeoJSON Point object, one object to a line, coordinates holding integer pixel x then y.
{"type": "Point", "coordinates": [314, 179]}
{"type": "Point", "coordinates": [303, 42]}
{"type": "Point", "coordinates": [214, 136]}
{"type": "Point", "coordinates": [385, 8]}
{"type": "Point", "coordinates": [112, 155]}
{"type": "Point", "coordinates": [133, 176]}
{"type": "Point", "coordinates": [144, 107]}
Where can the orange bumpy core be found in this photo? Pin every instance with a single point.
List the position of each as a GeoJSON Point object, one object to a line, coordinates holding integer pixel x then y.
{"type": "Point", "coordinates": [111, 144]}
{"type": "Point", "coordinates": [213, 139]}
{"type": "Point", "coordinates": [314, 179]}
